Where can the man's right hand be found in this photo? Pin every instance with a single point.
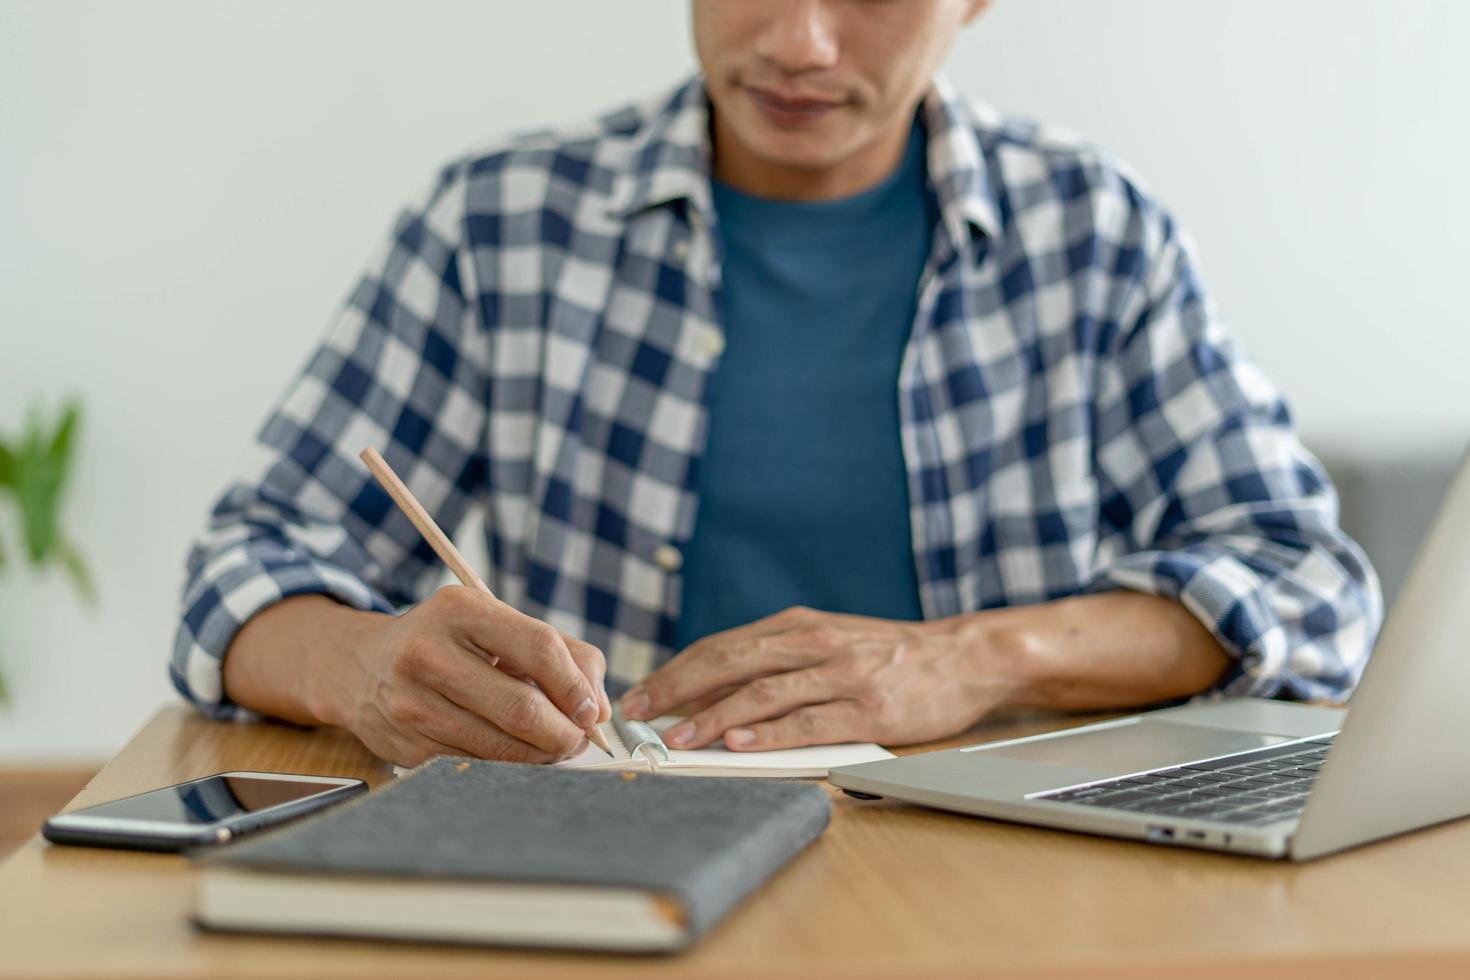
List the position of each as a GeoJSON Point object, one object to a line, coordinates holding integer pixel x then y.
{"type": "Point", "coordinates": [422, 684]}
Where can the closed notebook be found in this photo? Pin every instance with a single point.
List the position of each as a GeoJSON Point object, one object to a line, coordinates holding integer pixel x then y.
{"type": "Point", "coordinates": [486, 852]}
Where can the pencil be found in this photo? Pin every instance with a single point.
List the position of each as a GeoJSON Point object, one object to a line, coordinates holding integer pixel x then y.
{"type": "Point", "coordinates": [441, 544]}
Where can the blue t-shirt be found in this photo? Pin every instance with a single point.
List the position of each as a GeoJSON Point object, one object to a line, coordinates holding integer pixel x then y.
{"type": "Point", "coordinates": [803, 494]}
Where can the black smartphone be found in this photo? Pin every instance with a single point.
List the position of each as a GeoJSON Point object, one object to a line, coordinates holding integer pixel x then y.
{"type": "Point", "coordinates": [211, 810]}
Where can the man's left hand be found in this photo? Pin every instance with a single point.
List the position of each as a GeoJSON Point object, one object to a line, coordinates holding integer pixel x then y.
{"type": "Point", "coordinates": [803, 677]}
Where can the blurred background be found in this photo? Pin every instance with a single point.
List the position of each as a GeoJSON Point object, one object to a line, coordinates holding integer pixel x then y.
{"type": "Point", "coordinates": [189, 189]}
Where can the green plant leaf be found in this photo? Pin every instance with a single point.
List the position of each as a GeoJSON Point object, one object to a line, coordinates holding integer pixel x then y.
{"type": "Point", "coordinates": [31, 434]}
{"type": "Point", "coordinates": [76, 570]}
{"type": "Point", "coordinates": [71, 414]}
{"type": "Point", "coordinates": [39, 470]}
{"type": "Point", "coordinates": [37, 487]}
{"type": "Point", "coordinates": [35, 469]}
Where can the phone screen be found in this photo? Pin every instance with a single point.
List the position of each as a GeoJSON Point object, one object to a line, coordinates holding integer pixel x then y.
{"type": "Point", "coordinates": [209, 800]}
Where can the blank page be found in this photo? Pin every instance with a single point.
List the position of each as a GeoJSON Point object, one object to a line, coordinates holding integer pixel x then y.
{"type": "Point", "coordinates": [813, 760]}
{"type": "Point", "coordinates": [594, 758]}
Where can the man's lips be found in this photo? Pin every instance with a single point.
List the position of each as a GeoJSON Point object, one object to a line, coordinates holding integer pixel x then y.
{"type": "Point", "coordinates": [790, 109]}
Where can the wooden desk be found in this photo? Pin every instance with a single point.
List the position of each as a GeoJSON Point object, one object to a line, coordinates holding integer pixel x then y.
{"type": "Point", "coordinates": [889, 890]}
{"type": "Point", "coordinates": [29, 794]}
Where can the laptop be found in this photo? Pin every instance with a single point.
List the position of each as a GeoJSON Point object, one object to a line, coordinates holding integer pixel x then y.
{"type": "Point", "coordinates": [1268, 778]}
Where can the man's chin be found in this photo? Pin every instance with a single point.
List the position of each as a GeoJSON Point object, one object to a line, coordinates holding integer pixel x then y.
{"type": "Point", "coordinates": [806, 151]}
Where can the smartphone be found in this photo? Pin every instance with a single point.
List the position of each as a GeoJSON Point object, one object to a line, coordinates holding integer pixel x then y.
{"type": "Point", "coordinates": [211, 810]}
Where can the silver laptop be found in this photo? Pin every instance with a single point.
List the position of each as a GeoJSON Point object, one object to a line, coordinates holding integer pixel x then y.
{"type": "Point", "coordinates": [1268, 778]}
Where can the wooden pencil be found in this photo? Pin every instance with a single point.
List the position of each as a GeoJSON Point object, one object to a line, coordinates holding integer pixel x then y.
{"type": "Point", "coordinates": [440, 542]}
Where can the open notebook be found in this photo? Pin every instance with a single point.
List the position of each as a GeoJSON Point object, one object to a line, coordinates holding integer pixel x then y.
{"type": "Point", "coordinates": [637, 745]}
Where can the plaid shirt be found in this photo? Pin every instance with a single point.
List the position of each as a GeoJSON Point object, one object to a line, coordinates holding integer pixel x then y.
{"type": "Point", "coordinates": [536, 340]}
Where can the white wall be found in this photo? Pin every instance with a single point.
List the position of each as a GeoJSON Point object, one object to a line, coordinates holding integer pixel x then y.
{"type": "Point", "coordinates": [187, 190]}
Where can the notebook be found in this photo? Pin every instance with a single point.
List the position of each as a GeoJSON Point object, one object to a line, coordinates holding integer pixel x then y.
{"type": "Point", "coordinates": [639, 747]}
{"type": "Point", "coordinates": [494, 852]}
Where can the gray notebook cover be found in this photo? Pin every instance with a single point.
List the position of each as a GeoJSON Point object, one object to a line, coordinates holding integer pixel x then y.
{"type": "Point", "coordinates": [708, 842]}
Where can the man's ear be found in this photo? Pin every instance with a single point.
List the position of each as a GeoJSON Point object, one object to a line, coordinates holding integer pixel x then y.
{"type": "Point", "coordinates": [974, 9]}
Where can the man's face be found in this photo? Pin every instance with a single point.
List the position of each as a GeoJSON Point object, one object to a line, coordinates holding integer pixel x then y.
{"type": "Point", "coordinates": [812, 83]}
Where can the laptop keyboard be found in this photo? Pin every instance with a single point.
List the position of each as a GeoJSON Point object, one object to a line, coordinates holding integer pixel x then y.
{"type": "Point", "coordinates": [1252, 788]}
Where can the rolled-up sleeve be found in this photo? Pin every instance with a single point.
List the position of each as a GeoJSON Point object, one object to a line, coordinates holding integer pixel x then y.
{"type": "Point", "coordinates": [1221, 507]}
{"type": "Point", "coordinates": [402, 369]}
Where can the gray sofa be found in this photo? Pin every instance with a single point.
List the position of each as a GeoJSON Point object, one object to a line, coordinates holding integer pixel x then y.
{"type": "Point", "coordinates": [1388, 499]}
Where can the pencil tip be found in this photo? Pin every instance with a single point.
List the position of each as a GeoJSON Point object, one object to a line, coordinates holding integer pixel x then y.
{"type": "Point", "coordinates": [598, 739]}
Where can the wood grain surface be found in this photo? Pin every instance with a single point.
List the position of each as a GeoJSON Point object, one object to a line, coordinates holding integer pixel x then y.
{"type": "Point", "coordinates": [889, 890]}
{"type": "Point", "coordinates": [31, 793]}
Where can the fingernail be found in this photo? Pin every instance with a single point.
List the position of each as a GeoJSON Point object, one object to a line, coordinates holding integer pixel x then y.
{"type": "Point", "coordinates": [680, 733]}
{"type": "Point", "coordinates": [586, 712]}
{"type": "Point", "coordinates": [635, 703]}
{"type": "Point", "coordinates": [738, 738]}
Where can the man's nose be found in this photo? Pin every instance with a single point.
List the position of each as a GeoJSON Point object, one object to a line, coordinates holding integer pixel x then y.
{"type": "Point", "coordinates": [801, 35]}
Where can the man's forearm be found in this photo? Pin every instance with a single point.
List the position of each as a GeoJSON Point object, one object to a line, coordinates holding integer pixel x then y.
{"type": "Point", "coordinates": [1109, 650]}
{"type": "Point", "coordinates": [284, 661]}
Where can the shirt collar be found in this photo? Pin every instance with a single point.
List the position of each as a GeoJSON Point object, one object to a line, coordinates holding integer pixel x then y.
{"type": "Point", "coordinates": [669, 157]}
{"type": "Point", "coordinates": [958, 170]}
{"type": "Point", "coordinates": [669, 160]}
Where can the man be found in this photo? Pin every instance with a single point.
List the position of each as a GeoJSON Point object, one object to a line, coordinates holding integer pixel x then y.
{"type": "Point", "coordinates": [880, 410]}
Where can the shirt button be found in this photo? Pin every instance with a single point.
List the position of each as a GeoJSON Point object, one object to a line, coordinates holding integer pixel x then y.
{"type": "Point", "coordinates": [696, 220]}
{"type": "Point", "coordinates": [681, 249]}
{"type": "Point", "coordinates": [667, 557]}
{"type": "Point", "coordinates": [711, 342]}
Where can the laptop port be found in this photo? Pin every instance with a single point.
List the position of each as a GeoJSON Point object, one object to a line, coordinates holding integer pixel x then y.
{"type": "Point", "coordinates": [1197, 835]}
{"type": "Point", "coordinates": [1160, 833]}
